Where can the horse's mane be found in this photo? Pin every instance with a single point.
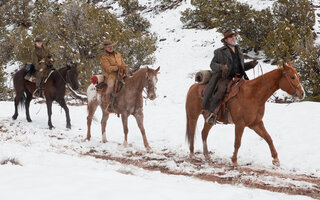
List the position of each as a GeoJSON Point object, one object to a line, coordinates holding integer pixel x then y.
{"type": "Point", "coordinates": [265, 74]}
{"type": "Point", "coordinates": [137, 75]}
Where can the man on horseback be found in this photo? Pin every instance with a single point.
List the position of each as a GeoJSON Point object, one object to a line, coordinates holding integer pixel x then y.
{"type": "Point", "coordinates": [42, 61]}
{"type": "Point", "coordinates": [227, 63]}
{"type": "Point", "coordinates": [113, 67]}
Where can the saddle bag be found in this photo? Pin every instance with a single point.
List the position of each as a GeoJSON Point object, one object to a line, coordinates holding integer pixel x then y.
{"type": "Point", "coordinates": [29, 68]}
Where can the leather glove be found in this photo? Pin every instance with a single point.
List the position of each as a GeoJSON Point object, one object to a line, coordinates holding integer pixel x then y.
{"type": "Point", "coordinates": [224, 71]}
{"type": "Point", "coordinates": [254, 63]}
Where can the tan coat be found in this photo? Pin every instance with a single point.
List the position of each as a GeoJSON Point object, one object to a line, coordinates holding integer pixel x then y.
{"type": "Point", "coordinates": [111, 63]}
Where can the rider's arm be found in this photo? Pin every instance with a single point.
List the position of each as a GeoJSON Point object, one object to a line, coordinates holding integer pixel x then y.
{"type": "Point", "coordinates": [215, 64]}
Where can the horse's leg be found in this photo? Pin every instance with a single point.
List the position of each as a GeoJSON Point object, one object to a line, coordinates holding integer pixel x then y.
{"type": "Point", "coordinates": [139, 119]}
{"type": "Point", "coordinates": [63, 104]}
{"type": "Point", "coordinates": [105, 116]}
{"type": "Point", "coordinates": [261, 131]}
{"type": "Point", "coordinates": [92, 106]}
{"type": "Point", "coordinates": [204, 134]}
{"type": "Point", "coordinates": [49, 109]}
{"type": "Point", "coordinates": [28, 100]}
{"type": "Point", "coordinates": [17, 99]}
{"type": "Point", "coordinates": [239, 128]}
{"type": "Point", "coordinates": [124, 118]}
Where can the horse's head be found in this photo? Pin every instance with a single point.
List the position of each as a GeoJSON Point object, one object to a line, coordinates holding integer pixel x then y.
{"type": "Point", "coordinates": [72, 75]}
{"type": "Point", "coordinates": [290, 82]}
{"type": "Point", "coordinates": [150, 82]}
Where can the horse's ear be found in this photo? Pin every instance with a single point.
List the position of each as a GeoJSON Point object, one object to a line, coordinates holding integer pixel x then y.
{"type": "Point", "coordinates": [157, 70]}
{"type": "Point", "coordinates": [284, 64]}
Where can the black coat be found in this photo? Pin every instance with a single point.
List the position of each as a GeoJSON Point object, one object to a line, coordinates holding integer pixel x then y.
{"type": "Point", "coordinates": [222, 56]}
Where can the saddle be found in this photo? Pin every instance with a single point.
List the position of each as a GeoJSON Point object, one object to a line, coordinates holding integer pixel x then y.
{"type": "Point", "coordinates": [233, 89]}
{"type": "Point", "coordinates": [29, 68]}
{"type": "Point", "coordinates": [101, 87]}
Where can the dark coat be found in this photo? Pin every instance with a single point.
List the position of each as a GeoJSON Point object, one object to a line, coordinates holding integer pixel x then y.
{"type": "Point", "coordinates": [38, 55]}
{"type": "Point", "coordinates": [222, 56]}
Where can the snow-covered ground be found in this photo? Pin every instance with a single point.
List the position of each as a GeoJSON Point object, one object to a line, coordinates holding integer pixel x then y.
{"type": "Point", "coordinates": [51, 169]}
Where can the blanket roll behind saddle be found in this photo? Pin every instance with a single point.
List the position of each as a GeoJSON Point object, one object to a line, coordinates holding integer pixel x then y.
{"type": "Point", "coordinates": [96, 79]}
{"type": "Point", "coordinates": [203, 76]}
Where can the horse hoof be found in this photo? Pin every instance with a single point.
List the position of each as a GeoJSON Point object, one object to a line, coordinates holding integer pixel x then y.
{"type": "Point", "coordinates": [207, 158]}
{"type": "Point", "coordinates": [149, 150]}
{"type": "Point", "coordinates": [125, 144]}
{"type": "Point", "coordinates": [51, 127]}
{"type": "Point", "coordinates": [104, 138]}
{"type": "Point", "coordinates": [276, 162]}
{"type": "Point", "coordinates": [14, 117]}
{"type": "Point", "coordinates": [235, 163]}
{"type": "Point", "coordinates": [191, 156]}
{"type": "Point", "coordinates": [29, 120]}
{"type": "Point", "coordinates": [69, 126]}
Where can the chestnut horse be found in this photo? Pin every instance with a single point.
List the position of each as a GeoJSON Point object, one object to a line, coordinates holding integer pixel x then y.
{"type": "Point", "coordinates": [129, 102]}
{"type": "Point", "coordinates": [246, 108]}
{"type": "Point", "coordinates": [54, 90]}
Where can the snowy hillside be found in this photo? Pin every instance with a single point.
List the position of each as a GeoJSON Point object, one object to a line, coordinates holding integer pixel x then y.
{"type": "Point", "coordinates": [38, 163]}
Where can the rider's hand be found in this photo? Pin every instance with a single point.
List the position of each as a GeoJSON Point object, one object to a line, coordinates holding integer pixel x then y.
{"type": "Point", "coordinates": [224, 71]}
{"type": "Point", "coordinates": [41, 70]}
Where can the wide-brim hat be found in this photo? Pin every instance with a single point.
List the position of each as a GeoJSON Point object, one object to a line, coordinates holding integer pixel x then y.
{"type": "Point", "coordinates": [227, 34]}
{"type": "Point", "coordinates": [107, 43]}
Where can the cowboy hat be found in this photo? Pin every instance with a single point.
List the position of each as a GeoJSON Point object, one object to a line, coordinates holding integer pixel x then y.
{"type": "Point", "coordinates": [228, 33]}
{"type": "Point", "coordinates": [108, 43]}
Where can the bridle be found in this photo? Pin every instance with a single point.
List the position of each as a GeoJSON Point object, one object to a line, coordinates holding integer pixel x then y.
{"type": "Point", "coordinates": [148, 87]}
{"type": "Point", "coordinates": [294, 87]}
{"type": "Point", "coordinates": [285, 74]}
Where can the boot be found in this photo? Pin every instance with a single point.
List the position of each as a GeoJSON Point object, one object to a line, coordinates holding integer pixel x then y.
{"type": "Point", "coordinates": [37, 92]}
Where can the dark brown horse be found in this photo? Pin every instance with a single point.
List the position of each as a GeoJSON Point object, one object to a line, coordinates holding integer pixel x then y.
{"type": "Point", "coordinates": [54, 90]}
{"type": "Point", "coordinates": [129, 102]}
{"type": "Point", "coordinates": [246, 108]}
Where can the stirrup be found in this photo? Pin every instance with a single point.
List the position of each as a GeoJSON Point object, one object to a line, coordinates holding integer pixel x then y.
{"type": "Point", "coordinates": [211, 119]}
{"type": "Point", "coordinates": [36, 93]}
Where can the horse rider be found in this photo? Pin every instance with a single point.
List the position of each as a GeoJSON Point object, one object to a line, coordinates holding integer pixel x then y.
{"type": "Point", "coordinates": [112, 64]}
{"type": "Point", "coordinates": [42, 61]}
{"type": "Point", "coordinates": [227, 63]}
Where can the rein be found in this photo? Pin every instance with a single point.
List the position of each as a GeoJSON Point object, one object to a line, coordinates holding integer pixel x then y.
{"type": "Point", "coordinates": [266, 83]}
{"type": "Point", "coordinates": [67, 83]}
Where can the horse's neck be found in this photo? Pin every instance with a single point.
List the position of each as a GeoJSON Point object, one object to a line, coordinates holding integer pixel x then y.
{"type": "Point", "coordinates": [135, 83]}
{"type": "Point", "coordinates": [60, 75]}
{"type": "Point", "coordinates": [264, 86]}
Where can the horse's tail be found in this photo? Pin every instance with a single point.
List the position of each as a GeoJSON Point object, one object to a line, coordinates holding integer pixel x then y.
{"type": "Point", "coordinates": [18, 79]}
{"type": "Point", "coordinates": [193, 110]}
{"type": "Point", "coordinates": [22, 100]}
